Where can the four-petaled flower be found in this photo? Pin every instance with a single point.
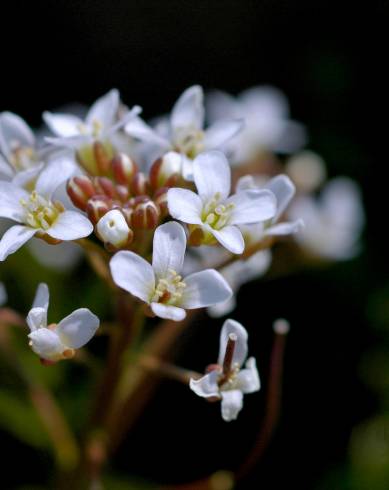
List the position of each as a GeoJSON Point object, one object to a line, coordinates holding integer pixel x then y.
{"type": "Point", "coordinates": [38, 212]}
{"type": "Point", "coordinates": [211, 210]}
{"type": "Point", "coordinates": [226, 381]}
{"type": "Point", "coordinates": [58, 341]}
{"type": "Point", "coordinates": [160, 284]}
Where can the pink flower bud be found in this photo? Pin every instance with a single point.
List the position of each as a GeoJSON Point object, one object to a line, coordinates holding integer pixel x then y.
{"type": "Point", "coordinates": [97, 207]}
{"type": "Point", "coordinates": [80, 189]}
{"type": "Point", "coordinates": [146, 213]}
{"type": "Point", "coordinates": [123, 169]}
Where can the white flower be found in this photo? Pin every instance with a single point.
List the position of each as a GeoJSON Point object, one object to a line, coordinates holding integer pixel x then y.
{"type": "Point", "coordinates": [227, 381]}
{"type": "Point", "coordinates": [185, 132]}
{"type": "Point", "coordinates": [265, 111]}
{"type": "Point", "coordinates": [101, 123]}
{"type": "Point", "coordinates": [113, 229]}
{"type": "Point", "coordinates": [333, 222]}
{"type": "Point", "coordinates": [307, 170]}
{"type": "Point", "coordinates": [3, 294]}
{"type": "Point", "coordinates": [283, 189]}
{"type": "Point", "coordinates": [37, 212]}
{"type": "Point", "coordinates": [20, 160]}
{"type": "Point", "coordinates": [58, 341]}
{"type": "Point", "coordinates": [212, 210]}
{"type": "Point", "coordinates": [161, 285]}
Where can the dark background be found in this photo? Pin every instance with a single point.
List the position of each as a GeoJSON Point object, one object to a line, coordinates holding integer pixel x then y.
{"type": "Point", "coordinates": [329, 63]}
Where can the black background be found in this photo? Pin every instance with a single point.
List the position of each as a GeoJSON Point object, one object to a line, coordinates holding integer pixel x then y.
{"type": "Point", "coordinates": [329, 61]}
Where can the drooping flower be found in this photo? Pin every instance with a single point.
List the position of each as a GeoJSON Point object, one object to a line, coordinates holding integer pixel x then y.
{"type": "Point", "coordinates": [212, 211]}
{"type": "Point", "coordinates": [58, 341]}
{"type": "Point", "coordinates": [38, 212]}
{"type": "Point", "coordinates": [184, 133]}
{"type": "Point", "coordinates": [227, 381]}
{"type": "Point", "coordinates": [265, 111]}
{"type": "Point", "coordinates": [160, 285]}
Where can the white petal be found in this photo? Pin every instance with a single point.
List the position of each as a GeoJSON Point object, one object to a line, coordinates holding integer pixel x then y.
{"type": "Point", "coordinates": [6, 171]}
{"type": "Point", "coordinates": [168, 311]}
{"type": "Point", "coordinates": [42, 297]}
{"type": "Point", "coordinates": [78, 328]}
{"type": "Point", "coordinates": [246, 182]}
{"type": "Point", "coordinates": [137, 128]}
{"type": "Point", "coordinates": [72, 142]}
{"type": "Point", "coordinates": [70, 225]}
{"type": "Point", "coordinates": [240, 352]}
{"type": "Point", "coordinates": [62, 124]}
{"type": "Point", "coordinates": [232, 404]}
{"type": "Point", "coordinates": [220, 132]}
{"type": "Point", "coordinates": [212, 174]}
{"type": "Point", "coordinates": [204, 288]}
{"type": "Point", "coordinates": [132, 273]}
{"type": "Point", "coordinates": [10, 196]}
{"type": "Point", "coordinates": [230, 237]}
{"type": "Point", "coordinates": [104, 110]}
{"type": "Point", "coordinates": [14, 128]}
{"type": "Point", "coordinates": [169, 245]}
{"type": "Point", "coordinates": [184, 205]}
{"type": "Point", "coordinates": [14, 238]}
{"type": "Point", "coordinates": [206, 386]}
{"type": "Point", "coordinates": [26, 177]}
{"type": "Point", "coordinates": [284, 189]}
{"type": "Point", "coordinates": [287, 228]}
{"type": "Point", "coordinates": [222, 309]}
{"type": "Point", "coordinates": [53, 175]}
{"type": "Point", "coordinates": [46, 343]}
{"type": "Point", "coordinates": [248, 378]}
{"type": "Point", "coordinates": [188, 111]}
{"type": "Point", "coordinates": [293, 136]}
{"type": "Point", "coordinates": [252, 206]}
{"type": "Point", "coordinates": [37, 318]}
{"type": "Point", "coordinates": [113, 228]}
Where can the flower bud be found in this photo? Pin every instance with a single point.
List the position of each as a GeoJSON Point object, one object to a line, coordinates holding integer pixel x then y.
{"type": "Point", "coordinates": [160, 198]}
{"type": "Point", "coordinates": [80, 189]}
{"type": "Point", "coordinates": [105, 186]}
{"type": "Point", "coordinates": [139, 184]}
{"type": "Point", "coordinates": [146, 213]}
{"type": "Point", "coordinates": [166, 171]}
{"type": "Point", "coordinates": [102, 158]}
{"type": "Point", "coordinates": [113, 229]}
{"type": "Point", "coordinates": [97, 207]}
{"type": "Point", "coordinates": [123, 169]}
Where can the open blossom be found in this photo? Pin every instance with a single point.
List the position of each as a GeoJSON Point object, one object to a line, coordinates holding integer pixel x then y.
{"type": "Point", "coordinates": [333, 221]}
{"type": "Point", "coordinates": [38, 212]}
{"type": "Point", "coordinates": [227, 381]}
{"type": "Point", "coordinates": [160, 285]}
{"type": "Point", "coordinates": [185, 133]}
{"type": "Point", "coordinates": [265, 111]}
{"type": "Point", "coordinates": [211, 210]}
{"type": "Point", "coordinates": [58, 341]}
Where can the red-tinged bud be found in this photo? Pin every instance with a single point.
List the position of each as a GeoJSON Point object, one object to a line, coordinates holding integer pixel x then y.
{"type": "Point", "coordinates": [160, 198]}
{"type": "Point", "coordinates": [140, 185]}
{"type": "Point", "coordinates": [105, 186]}
{"type": "Point", "coordinates": [122, 193]}
{"type": "Point", "coordinates": [127, 213]}
{"type": "Point", "coordinates": [166, 171]}
{"type": "Point", "coordinates": [80, 189]}
{"type": "Point", "coordinates": [102, 158]}
{"type": "Point", "coordinates": [146, 213]}
{"type": "Point", "coordinates": [123, 169]}
{"type": "Point", "coordinates": [97, 207]}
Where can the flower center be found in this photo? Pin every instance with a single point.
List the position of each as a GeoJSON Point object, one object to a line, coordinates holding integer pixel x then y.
{"type": "Point", "coordinates": [229, 381]}
{"type": "Point", "coordinates": [189, 141]}
{"type": "Point", "coordinates": [169, 289]}
{"type": "Point", "coordinates": [94, 129]}
{"type": "Point", "coordinates": [40, 212]}
{"type": "Point", "coordinates": [22, 157]}
{"type": "Point", "coordinates": [215, 213]}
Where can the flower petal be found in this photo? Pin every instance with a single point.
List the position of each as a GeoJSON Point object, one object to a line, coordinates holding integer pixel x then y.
{"type": "Point", "coordinates": [232, 404]}
{"type": "Point", "coordinates": [287, 228]}
{"type": "Point", "coordinates": [54, 174]}
{"type": "Point", "coordinates": [46, 343]}
{"type": "Point", "coordinates": [14, 129]}
{"type": "Point", "coordinates": [241, 349]}
{"type": "Point", "coordinates": [37, 318]}
{"type": "Point", "coordinates": [206, 386]}
{"type": "Point", "coordinates": [230, 237]}
{"type": "Point", "coordinates": [222, 309]}
{"type": "Point", "coordinates": [104, 110]}
{"type": "Point", "coordinates": [252, 206]}
{"type": "Point", "coordinates": [64, 125]}
{"type": "Point", "coordinates": [248, 378]}
{"type": "Point", "coordinates": [168, 311]}
{"type": "Point", "coordinates": [188, 111]}
{"type": "Point", "coordinates": [137, 128]}
{"type": "Point", "coordinates": [184, 205]}
{"type": "Point", "coordinates": [169, 245]}
{"type": "Point", "coordinates": [42, 297]}
{"type": "Point", "coordinates": [10, 196]}
{"type": "Point", "coordinates": [204, 288]}
{"type": "Point", "coordinates": [78, 328]}
{"type": "Point", "coordinates": [284, 189]}
{"type": "Point", "coordinates": [221, 132]}
{"type": "Point", "coordinates": [70, 225]}
{"type": "Point", "coordinates": [212, 174]}
{"type": "Point", "coordinates": [14, 238]}
{"type": "Point", "coordinates": [132, 273]}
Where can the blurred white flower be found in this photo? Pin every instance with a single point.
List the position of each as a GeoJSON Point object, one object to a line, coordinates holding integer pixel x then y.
{"type": "Point", "coordinates": [212, 210]}
{"type": "Point", "coordinates": [184, 133]}
{"type": "Point", "coordinates": [265, 111]}
{"type": "Point", "coordinates": [38, 212]}
{"type": "Point", "coordinates": [58, 341]}
{"type": "Point", "coordinates": [227, 381]}
{"type": "Point", "coordinates": [307, 170]}
{"type": "Point", "coordinates": [3, 294]}
{"type": "Point", "coordinates": [333, 222]}
{"type": "Point", "coordinates": [160, 285]}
